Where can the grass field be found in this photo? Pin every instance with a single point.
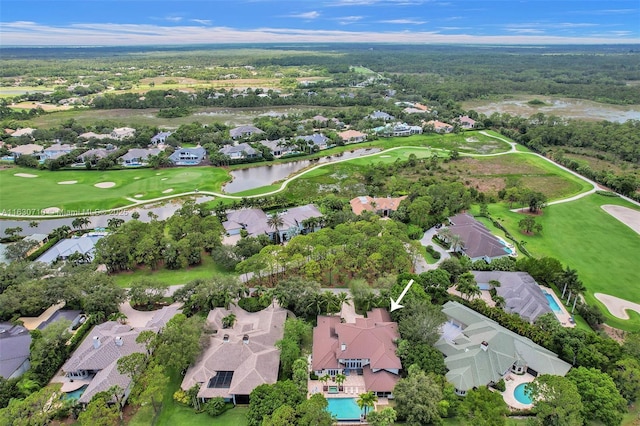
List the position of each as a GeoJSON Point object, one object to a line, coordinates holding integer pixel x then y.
{"type": "Point", "coordinates": [167, 277]}
{"type": "Point", "coordinates": [602, 249]}
{"type": "Point", "coordinates": [44, 191]}
{"type": "Point", "coordinates": [173, 414]}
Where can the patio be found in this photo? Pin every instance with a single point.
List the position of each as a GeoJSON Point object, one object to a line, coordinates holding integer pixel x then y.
{"type": "Point", "coordinates": [511, 381]}
{"type": "Point", "coordinates": [351, 388]}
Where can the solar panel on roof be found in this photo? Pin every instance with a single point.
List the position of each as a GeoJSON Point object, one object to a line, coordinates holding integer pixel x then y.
{"type": "Point", "coordinates": [222, 380]}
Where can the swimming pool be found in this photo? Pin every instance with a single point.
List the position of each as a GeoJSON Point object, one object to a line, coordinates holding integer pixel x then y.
{"type": "Point", "coordinates": [520, 395]}
{"type": "Point", "coordinates": [75, 394]}
{"type": "Point", "coordinates": [552, 303]}
{"type": "Point", "coordinates": [344, 408]}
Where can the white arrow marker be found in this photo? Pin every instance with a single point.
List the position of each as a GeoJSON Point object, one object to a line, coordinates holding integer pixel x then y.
{"type": "Point", "coordinates": [395, 304]}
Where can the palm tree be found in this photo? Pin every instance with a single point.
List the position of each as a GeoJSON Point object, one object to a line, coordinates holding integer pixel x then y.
{"type": "Point", "coordinates": [114, 222]}
{"type": "Point", "coordinates": [61, 232]}
{"type": "Point", "coordinates": [340, 379]}
{"type": "Point", "coordinates": [366, 400]}
{"type": "Point", "coordinates": [33, 224]}
{"type": "Point", "coordinates": [275, 221]}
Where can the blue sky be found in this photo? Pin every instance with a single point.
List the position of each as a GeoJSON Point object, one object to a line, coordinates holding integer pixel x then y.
{"type": "Point", "coordinates": [138, 22]}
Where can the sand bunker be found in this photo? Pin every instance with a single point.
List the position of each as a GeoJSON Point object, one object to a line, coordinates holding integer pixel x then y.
{"type": "Point", "coordinates": [105, 185]}
{"type": "Point", "coordinates": [385, 156]}
{"type": "Point", "coordinates": [166, 191]}
{"type": "Point", "coordinates": [138, 196]}
{"type": "Point", "coordinates": [164, 179]}
{"type": "Point", "coordinates": [25, 175]}
{"type": "Point", "coordinates": [51, 210]}
{"type": "Point", "coordinates": [617, 306]}
{"type": "Point", "coordinates": [68, 182]}
{"type": "Point", "coordinates": [136, 178]}
{"type": "Point", "coordinates": [628, 216]}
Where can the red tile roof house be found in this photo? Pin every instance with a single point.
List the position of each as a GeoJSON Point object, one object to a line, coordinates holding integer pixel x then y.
{"type": "Point", "coordinates": [365, 348]}
{"type": "Point", "coordinates": [381, 205]}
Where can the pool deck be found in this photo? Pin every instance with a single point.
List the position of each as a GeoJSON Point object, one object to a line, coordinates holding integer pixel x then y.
{"type": "Point", "coordinates": [511, 381]}
{"type": "Point", "coordinates": [352, 387]}
{"type": "Point", "coordinates": [564, 317]}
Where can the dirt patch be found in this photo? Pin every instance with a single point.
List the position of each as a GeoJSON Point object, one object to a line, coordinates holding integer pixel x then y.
{"type": "Point", "coordinates": [46, 107]}
{"type": "Point", "coordinates": [25, 175]}
{"type": "Point", "coordinates": [616, 306]}
{"type": "Point", "coordinates": [68, 182]}
{"type": "Point", "coordinates": [628, 216]}
{"type": "Point", "coordinates": [614, 333]}
{"type": "Point", "coordinates": [105, 185]}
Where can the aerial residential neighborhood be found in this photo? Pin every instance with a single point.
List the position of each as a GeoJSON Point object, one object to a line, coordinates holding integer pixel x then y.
{"type": "Point", "coordinates": [260, 213]}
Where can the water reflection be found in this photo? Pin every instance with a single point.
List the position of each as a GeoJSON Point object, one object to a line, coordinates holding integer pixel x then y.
{"type": "Point", "coordinates": [256, 177]}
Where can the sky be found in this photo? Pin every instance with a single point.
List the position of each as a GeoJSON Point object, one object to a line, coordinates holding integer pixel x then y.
{"type": "Point", "coordinates": [158, 22]}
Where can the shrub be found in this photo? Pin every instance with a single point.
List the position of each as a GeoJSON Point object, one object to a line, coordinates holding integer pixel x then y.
{"type": "Point", "coordinates": [501, 386]}
{"type": "Point", "coordinates": [181, 397]}
{"type": "Point", "coordinates": [414, 232]}
{"type": "Point", "coordinates": [252, 304]}
{"type": "Point", "coordinates": [215, 406]}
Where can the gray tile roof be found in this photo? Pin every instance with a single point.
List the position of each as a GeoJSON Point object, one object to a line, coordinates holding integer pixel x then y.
{"type": "Point", "coordinates": [479, 351]}
{"type": "Point", "coordinates": [15, 342]}
{"type": "Point", "coordinates": [253, 362]}
{"type": "Point", "coordinates": [99, 352]}
{"type": "Point", "coordinates": [234, 149]}
{"type": "Point", "coordinates": [521, 292]}
{"type": "Point", "coordinates": [254, 221]}
{"type": "Point", "coordinates": [188, 155]}
{"type": "Point", "coordinates": [139, 154]}
{"type": "Point", "coordinates": [242, 131]}
{"type": "Point", "coordinates": [316, 139]}
{"type": "Point", "coordinates": [478, 241]}
{"type": "Point", "coordinates": [66, 247]}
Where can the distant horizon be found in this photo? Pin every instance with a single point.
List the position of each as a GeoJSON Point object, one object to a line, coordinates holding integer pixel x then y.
{"type": "Point", "coordinates": [111, 23]}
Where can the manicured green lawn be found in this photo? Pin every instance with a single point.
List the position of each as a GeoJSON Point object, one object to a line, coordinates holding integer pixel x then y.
{"type": "Point", "coordinates": [45, 191]}
{"type": "Point", "coordinates": [173, 414]}
{"type": "Point", "coordinates": [581, 235]}
{"type": "Point", "coordinates": [168, 277]}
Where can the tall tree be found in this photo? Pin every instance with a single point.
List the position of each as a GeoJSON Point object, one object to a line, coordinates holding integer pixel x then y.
{"type": "Point", "coordinates": [275, 221]}
{"type": "Point", "coordinates": [150, 386]}
{"type": "Point", "coordinates": [600, 397]}
{"type": "Point", "coordinates": [180, 342]}
{"type": "Point", "coordinates": [417, 398]}
{"type": "Point", "coordinates": [556, 401]}
{"type": "Point", "coordinates": [99, 413]}
{"type": "Point", "coordinates": [485, 408]}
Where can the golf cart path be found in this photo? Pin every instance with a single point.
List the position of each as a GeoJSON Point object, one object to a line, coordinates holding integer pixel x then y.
{"type": "Point", "coordinates": [137, 202]}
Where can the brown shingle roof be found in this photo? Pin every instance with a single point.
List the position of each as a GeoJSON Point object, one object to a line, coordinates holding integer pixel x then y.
{"type": "Point", "coordinates": [253, 362]}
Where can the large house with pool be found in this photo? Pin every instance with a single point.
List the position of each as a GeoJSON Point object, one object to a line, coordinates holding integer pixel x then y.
{"type": "Point", "coordinates": [479, 352]}
{"type": "Point", "coordinates": [475, 240]}
{"type": "Point", "coordinates": [365, 348]}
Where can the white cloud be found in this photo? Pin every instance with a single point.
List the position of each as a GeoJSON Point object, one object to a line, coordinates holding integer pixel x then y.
{"type": "Point", "coordinates": [22, 33]}
{"type": "Point", "coordinates": [306, 15]}
{"type": "Point", "coordinates": [173, 18]}
{"type": "Point", "coordinates": [202, 21]}
{"type": "Point", "coordinates": [345, 20]}
{"type": "Point", "coordinates": [377, 2]}
{"type": "Point", "coordinates": [403, 21]}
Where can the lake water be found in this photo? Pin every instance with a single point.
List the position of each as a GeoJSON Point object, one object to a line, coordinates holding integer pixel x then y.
{"type": "Point", "coordinates": [567, 108]}
{"type": "Point", "coordinates": [256, 177]}
{"type": "Point", "coordinates": [46, 226]}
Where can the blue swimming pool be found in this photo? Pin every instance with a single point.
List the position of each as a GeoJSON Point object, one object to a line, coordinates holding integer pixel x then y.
{"type": "Point", "coordinates": [552, 303]}
{"type": "Point", "coordinates": [75, 394]}
{"type": "Point", "coordinates": [520, 395]}
{"type": "Point", "coordinates": [344, 408]}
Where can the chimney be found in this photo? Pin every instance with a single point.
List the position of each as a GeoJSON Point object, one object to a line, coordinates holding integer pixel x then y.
{"type": "Point", "coordinates": [96, 342]}
{"type": "Point", "coordinates": [484, 346]}
{"type": "Point", "coordinates": [119, 341]}
{"type": "Point", "coordinates": [343, 347]}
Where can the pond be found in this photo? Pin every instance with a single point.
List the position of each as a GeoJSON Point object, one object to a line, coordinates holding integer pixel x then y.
{"type": "Point", "coordinates": [46, 226]}
{"type": "Point", "coordinates": [256, 177]}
